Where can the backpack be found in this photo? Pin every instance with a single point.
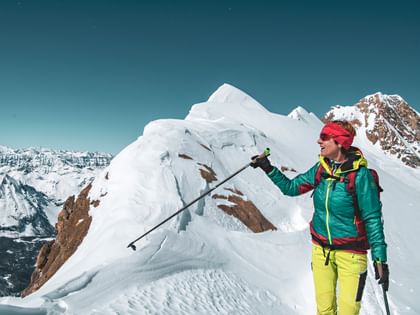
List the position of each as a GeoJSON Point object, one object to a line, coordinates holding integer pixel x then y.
{"type": "Point", "coordinates": [350, 180]}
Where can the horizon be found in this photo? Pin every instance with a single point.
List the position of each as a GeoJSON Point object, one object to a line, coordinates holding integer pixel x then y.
{"type": "Point", "coordinates": [89, 75]}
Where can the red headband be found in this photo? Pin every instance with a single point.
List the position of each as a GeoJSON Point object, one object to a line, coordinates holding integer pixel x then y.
{"type": "Point", "coordinates": [339, 134]}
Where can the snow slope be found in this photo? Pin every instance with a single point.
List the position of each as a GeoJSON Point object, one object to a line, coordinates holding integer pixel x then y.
{"type": "Point", "coordinates": [204, 261]}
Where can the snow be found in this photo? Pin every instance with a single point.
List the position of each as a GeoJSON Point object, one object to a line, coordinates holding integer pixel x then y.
{"type": "Point", "coordinates": [35, 182]}
{"type": "Point", "coordinates": [204, 261]}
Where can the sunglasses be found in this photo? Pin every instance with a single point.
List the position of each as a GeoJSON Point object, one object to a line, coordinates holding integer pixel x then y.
{"type": "Point", "coordinates": [325, 137]}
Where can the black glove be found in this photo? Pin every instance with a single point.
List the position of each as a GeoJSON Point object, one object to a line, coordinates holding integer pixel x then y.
{"type": "Point", "coordinates": [384, 280]}
{"type": "Point", "coordinates": [262, 162]}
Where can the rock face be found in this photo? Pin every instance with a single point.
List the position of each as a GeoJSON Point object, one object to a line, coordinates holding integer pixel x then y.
{"type": "Point", "coordinates": [71, 228]}
{"type": "Point", "coordinates": [242, 209]}
{"type": "Point", "coordinates": [387, 121]}
{"type": "Point", "coordinates": [245, 211]}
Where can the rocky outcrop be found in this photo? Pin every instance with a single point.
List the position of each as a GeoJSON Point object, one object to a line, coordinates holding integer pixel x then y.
{"type": "Point", "coordinates": [245, 211]}
{"type": "Point", "coordinates": [389, 122]}
{"type": "Point", "coordinates": [207, 173]}
{"type": "Point", "coordinates": [71, 228]}
{"type": "Point", "coordinates": [184, 156]}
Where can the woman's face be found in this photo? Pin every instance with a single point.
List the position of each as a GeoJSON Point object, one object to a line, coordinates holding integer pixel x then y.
{"type": "Point", "coordinates": [329, 148]}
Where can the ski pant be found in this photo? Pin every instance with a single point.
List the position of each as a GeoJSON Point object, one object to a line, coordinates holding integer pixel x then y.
{"type": "Point", "coordinates": [349, 269]}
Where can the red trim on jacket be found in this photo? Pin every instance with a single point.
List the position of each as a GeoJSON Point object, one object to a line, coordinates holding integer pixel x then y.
{"type": "Point", "coordinates": [304, 188]}
{"type": "Point", "coordinates": [342, 241]}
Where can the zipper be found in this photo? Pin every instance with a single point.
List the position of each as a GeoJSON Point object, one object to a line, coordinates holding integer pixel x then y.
{"type": "Point", "coordinates": [334, 171]}
{"type": "Point", "coordinates": [328, 214]}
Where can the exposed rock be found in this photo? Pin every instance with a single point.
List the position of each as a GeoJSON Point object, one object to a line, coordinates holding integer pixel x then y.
{"type": "Point", "coordinates": [95, 203]}
{"type": "Point", "coordinates": [389, 122]}
{"type": "Point", "coordinates": [71, 228]}
{"type": "Point", "coordinates": [205, 147]}
{"type": "Point", "coordinates": [207, 173]}
{"type": "Point", "coordinates": [245, 211]}
{"type": "Point", "coordinates": [235, 191]}
{"type": "Point", "coordinates": [184, 156]}
{"type": "Point", "coordinates": [41, 259]}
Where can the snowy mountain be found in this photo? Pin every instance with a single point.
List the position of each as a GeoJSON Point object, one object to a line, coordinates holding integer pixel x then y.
{"type": "Point", "coordinates": [33, 185]}
{"type": "Point", "coordinates": [387, 122]}
{"type": "Point", "coordinates": [208, 260]}
{"type": "Point", "coordinates": [22, 210]}
{"type": "Point", "coordinates": [35, 182]}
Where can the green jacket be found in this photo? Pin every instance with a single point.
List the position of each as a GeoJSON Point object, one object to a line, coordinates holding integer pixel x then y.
{"type": "Point", "coordinates": [334, 220]}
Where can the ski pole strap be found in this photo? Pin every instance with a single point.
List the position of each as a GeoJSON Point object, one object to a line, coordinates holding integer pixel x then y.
{"type": "Point", "coordinates": [380, 269]}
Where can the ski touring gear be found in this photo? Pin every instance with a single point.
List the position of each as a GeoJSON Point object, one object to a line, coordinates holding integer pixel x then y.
{"type": "Point", "coordinates": [338, 133]}
{"type": "Point", "coordinates": [334, 223]}
{"type": "Point", "coordinates": [262, 156]}
{"type": "Point", "coordinates": [350, 181]}
{"type": "Point", "coordinates": [347, 269]}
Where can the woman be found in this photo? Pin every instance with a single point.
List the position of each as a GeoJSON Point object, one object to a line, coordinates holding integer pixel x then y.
{"type": "Point", "coordinates": [341, 230]}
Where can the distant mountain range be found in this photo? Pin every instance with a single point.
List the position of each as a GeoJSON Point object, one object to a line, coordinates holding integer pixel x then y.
{"type": "Point", "coordinates": [34, 183]}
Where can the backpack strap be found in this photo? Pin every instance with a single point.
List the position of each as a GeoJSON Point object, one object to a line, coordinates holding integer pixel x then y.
{"type": "Point", "coordinates": [318, 175]}
{"type": "Point", "coordinates": [376, 178]}
{"type": "Point", "coordinates": [351, 187]}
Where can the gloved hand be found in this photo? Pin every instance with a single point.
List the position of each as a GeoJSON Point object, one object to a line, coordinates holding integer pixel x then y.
{"type": "Point", "coordinates": [263, 162]}
{"type": "Point", "coordinates": [382, 274]}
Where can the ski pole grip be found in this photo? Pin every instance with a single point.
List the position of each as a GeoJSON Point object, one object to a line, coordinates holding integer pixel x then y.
{"type": "Point", "coordinates": [264, 154]}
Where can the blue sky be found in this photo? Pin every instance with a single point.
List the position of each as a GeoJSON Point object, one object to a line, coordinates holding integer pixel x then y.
{"type": "Point", "coordinates": [88, 75]}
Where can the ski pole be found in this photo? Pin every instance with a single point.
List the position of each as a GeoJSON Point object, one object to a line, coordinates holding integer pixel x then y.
{"type": "Point", "coordinates": [385, 300]}
{"type": "Point", "coordinates": [264, 154]}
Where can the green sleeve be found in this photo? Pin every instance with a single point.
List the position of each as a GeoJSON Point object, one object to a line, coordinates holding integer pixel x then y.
{"type": "Point", "coordinates": [292, 187]}
{"type": "Point", "coordinates": [371, 213]}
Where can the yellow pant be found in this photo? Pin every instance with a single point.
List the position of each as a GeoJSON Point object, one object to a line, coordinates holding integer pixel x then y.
{"type": "Point", "coordinates": [349, 269]}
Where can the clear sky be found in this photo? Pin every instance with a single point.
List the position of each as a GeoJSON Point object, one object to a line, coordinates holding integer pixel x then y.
{"type": "Point", "coordinates": [89, 75]}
